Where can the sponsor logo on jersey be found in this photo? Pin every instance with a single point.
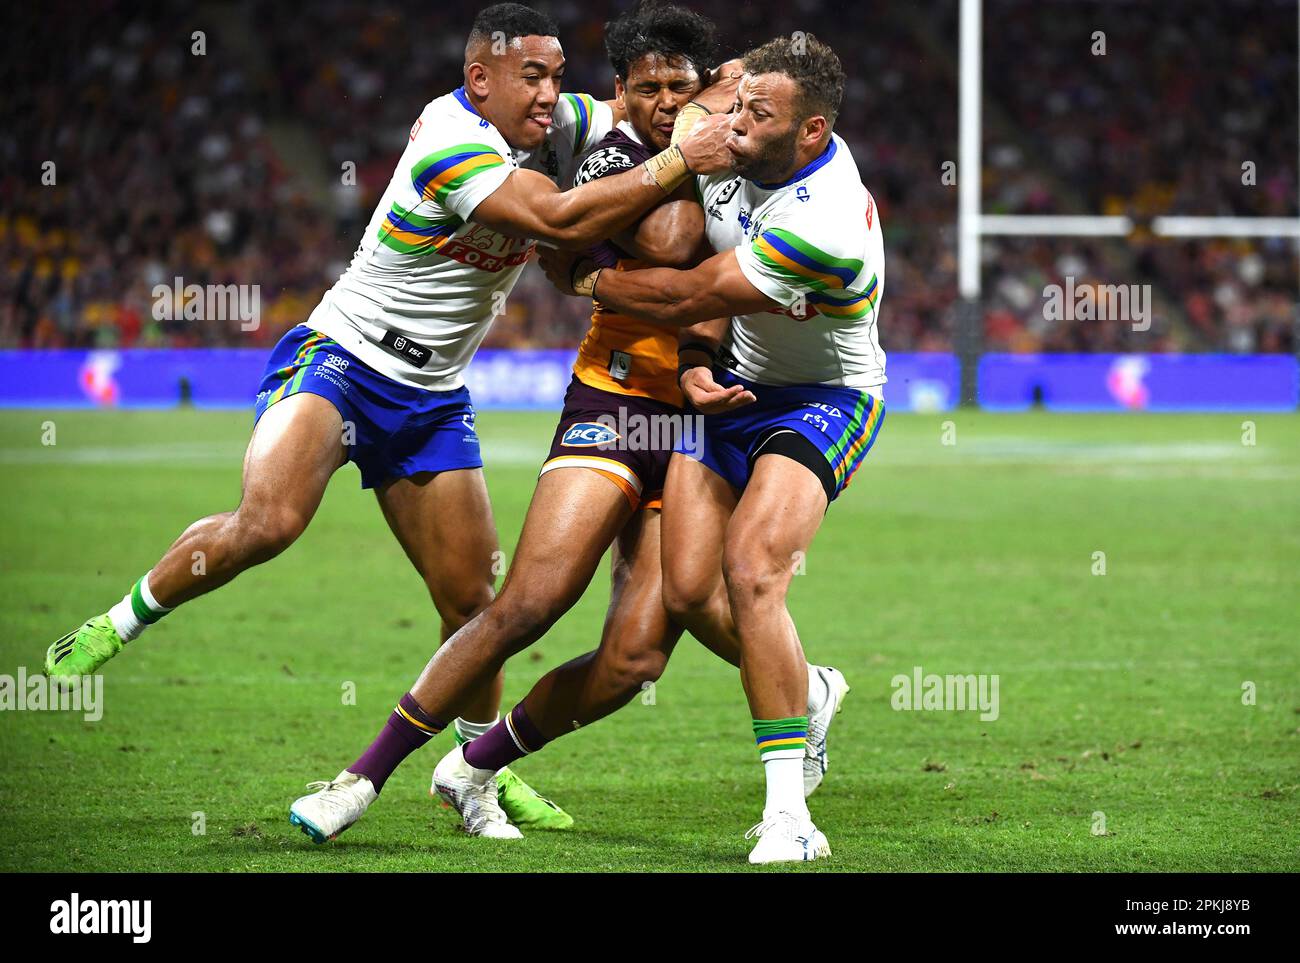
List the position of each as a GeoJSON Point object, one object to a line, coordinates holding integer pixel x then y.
{"type": "Point", "coordinates": [338, 363]}
{"type": "Point", "coordinates": [415, 128]}
{"type": "Point", "coordinates": [601, 162]}
{"type": "Point", "coordinates": [483, 248]}
{"type": "Point", "coordinates": [620, 365]}
{"type": "Point", "coordinates": [587, 434]}
{"type": "Point", "coordinates": [802, 193]}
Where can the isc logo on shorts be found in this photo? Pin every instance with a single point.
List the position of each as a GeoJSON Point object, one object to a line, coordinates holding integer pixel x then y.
{"type": "Point", "coordinates": [588, 435]}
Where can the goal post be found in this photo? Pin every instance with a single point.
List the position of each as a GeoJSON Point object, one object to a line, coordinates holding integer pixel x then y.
{"type": "Point", "coordinates": [973, 225]}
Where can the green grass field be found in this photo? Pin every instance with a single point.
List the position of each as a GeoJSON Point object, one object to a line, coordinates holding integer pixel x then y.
{"type": "Point", "coordinates": [1119, 693]}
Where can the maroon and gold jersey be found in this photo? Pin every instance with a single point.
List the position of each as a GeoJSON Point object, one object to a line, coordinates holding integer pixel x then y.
{"type": "Point", "coordinates": [621, 354]}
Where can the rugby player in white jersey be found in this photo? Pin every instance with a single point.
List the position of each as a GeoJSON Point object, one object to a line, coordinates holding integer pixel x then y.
{"type": "Point", "coordinates": [593, 496]}
{"type": "Point", "coordinates": [375, 376]}
{"type": "Point", "coordinates": [794, 379]}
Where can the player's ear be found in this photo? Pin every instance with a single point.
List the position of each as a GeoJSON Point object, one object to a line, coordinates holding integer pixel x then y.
{"type": "Point", "coordinates": [813, 128]}
{"type": "Point", "coordinates": [476, 79]}
{"type": "Point", "coordinates": [619, 90]}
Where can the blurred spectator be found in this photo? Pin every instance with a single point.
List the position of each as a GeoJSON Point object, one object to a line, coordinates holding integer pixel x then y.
{"type": "Point", "coordinates": [259, 161]}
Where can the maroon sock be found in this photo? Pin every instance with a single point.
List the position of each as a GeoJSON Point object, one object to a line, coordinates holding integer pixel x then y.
{"type": "Point", "coordinates": [512, 738]}
{"type": "Point", "coordinates": [407, 729]}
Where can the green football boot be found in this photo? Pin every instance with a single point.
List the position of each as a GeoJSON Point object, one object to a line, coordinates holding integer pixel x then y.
{"type": "Point", "coordinates": [525, 806]}
{"type": "Point", "coordinates": [84, 651]}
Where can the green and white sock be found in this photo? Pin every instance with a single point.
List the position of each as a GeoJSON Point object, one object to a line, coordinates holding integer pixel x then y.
{"type": "Point", "coordinates": [137, 611]}
{"type": "Point", "coordinates": [781, 747]}
{"type": "Point", "coordinates": [466, 730]}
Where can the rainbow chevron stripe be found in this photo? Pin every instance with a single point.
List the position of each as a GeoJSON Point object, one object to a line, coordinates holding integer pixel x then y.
{"type": "Point", "coordinates": [781, 738]}
{"type": "Point", "coordinates": [850, 306]}
{"type": "Point", "coordinates": [292, 373]}
{"type": "Point", "coordinates": [440, 173]}
{"type": "Point", "coordinates": [409, 233]}
{"type": "Point", "coordinates": [856, 440]}
{"type": "Point", "coordinates": [791, 259]}
{"type": "Point", "coordinates": [583, 108]}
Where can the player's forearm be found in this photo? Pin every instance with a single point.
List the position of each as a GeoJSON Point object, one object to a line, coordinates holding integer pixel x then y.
{"type": "Point", "coordinates": [662, 295]}
{"type": "Point", "coordinates": [598, 209]}
{"type": "Point", "coordinates": [698, 344]}
{"type": "Point", "coordinates": [707, 333]}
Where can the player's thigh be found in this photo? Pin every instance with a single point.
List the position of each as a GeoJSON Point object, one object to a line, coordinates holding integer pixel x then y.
{"type": "Point", "coordinates": [774, 523]}
{"type": "Point", "coordinates": [444, 522]}
{"type": "Point", "coordinates": [698, 504]}
{"type": "Point", "coordinates": [574, 516]}
{"type": "Point", "coordinates": [296, 446]}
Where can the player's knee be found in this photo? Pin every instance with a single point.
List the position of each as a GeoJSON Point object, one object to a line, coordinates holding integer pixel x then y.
{"type": "Point", "coordinates": [522, 613]}
{"type": "Point", "coordinates": [753, 575]}
{"type": "Point", "coordinates": [631, 672]}
{"type": "Point", "coordinates": [686, 597]}
{"type": "Point", "coordinates": [264, 533]}
{"type": "Point", "coordinates": [461, 603]}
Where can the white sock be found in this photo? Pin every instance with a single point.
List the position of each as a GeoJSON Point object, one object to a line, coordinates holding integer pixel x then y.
{"type": "Point", "coordinates": [785, 787]}
{"type": "Point", "coordinates": [818, 690]}
{"type": "Point", "coordinates": [130, 618]}
{"type": "Point", "coordinates": [466, 730]}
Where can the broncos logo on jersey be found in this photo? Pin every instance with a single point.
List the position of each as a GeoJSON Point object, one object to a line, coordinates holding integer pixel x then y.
{"type": "Point", "coordinates": [602, 161]}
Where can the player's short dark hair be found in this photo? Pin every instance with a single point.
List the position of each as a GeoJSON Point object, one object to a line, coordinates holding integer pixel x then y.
{"type": "Point", "coordinates": [668, 30]}
{"type": "Point", "coordinates": [507, 21]}
{"type": "Point", "coordinates": [811, 64]}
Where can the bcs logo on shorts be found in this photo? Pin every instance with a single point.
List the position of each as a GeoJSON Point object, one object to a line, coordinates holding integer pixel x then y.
{"type": "Point", "coordinates": [588, 435]}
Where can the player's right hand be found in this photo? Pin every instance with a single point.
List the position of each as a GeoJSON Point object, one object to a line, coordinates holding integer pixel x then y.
{"type": "Point", "coordinates": [710, 398]}
{"type": "Point", "coordinates": [705, 147]}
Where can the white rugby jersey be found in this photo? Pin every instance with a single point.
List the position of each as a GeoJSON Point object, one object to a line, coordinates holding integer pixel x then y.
{"type": "Point", "coordinates": [426, 281]}
{"type": "Point", "coordinates": [814, 245]}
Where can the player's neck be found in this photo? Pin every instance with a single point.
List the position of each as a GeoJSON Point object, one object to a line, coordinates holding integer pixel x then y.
{"type": "Point", "coordinates": [805, 156]}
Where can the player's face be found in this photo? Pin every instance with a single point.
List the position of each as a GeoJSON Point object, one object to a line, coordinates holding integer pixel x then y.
{"type": "Point", "coordinates": [654, 91]}
{"type": "Point", "coordinates": [522, 82]}
{"type": "Point", "coordinates": [764, 131]}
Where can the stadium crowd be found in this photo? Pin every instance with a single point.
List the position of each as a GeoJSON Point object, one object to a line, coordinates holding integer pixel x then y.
{"type": "Point", "coordinates": [258, 160]}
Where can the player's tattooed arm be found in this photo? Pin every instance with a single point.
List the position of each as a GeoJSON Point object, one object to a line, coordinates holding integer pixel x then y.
{"type": "Point", "coordinates": [528, 204]}
{"type": "Point", "coordinates": [716, 288]}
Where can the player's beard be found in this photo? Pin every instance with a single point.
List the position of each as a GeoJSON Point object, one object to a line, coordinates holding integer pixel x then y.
{"type": "Point", "coordinates": [774, 160]}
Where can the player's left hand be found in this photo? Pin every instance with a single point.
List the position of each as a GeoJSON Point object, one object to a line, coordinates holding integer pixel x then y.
{"type": "Point", "coordinates": [710, 398]}
{"type": "Point", "coordinates": [559, 267]}
{"type": "Point", "coordinates": [719, 95]}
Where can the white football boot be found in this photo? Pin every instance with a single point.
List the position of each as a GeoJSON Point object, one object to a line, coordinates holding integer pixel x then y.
{"type": "Point", "coordinates": [815, 761]}
{"type": "Point", "coordinates": [786, 838]}
{"type": "Point", "coordinates": [472, 793]}
{"type": "Point", "coordinates": [334, 806]}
